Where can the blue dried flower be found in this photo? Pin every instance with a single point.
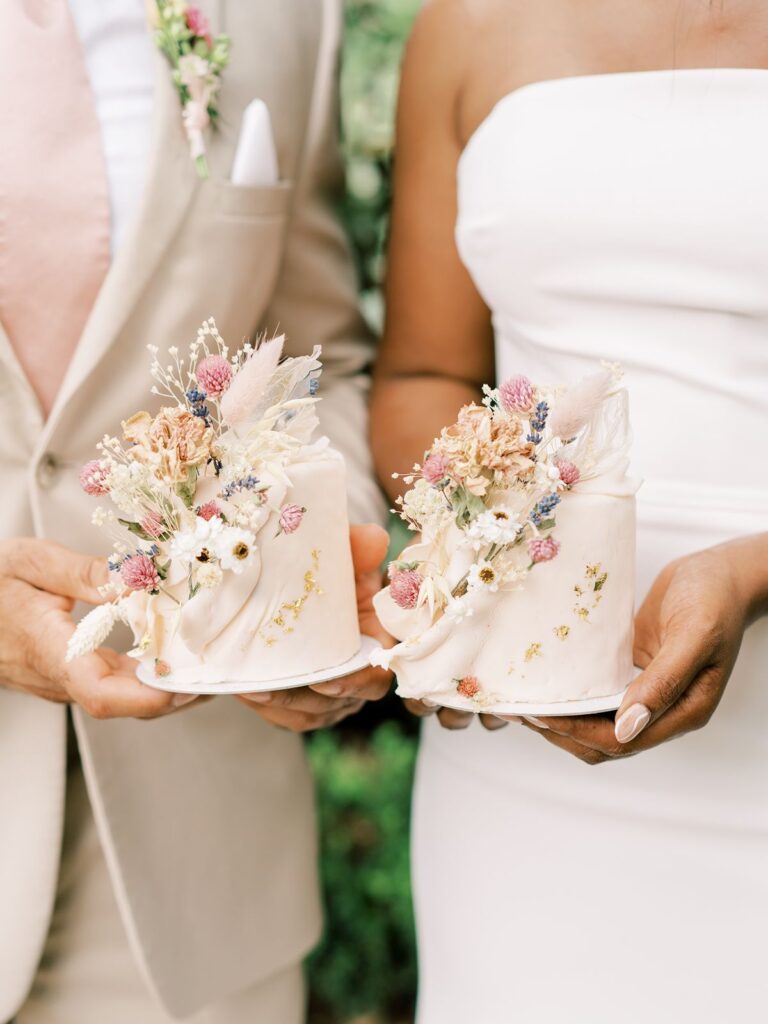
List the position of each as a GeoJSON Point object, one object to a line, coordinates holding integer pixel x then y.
{"type": "Point", "coordinates": [544, 508]}
{"type": "Point", "coordinates": [314, 386]}
{"type": "Point", "coordinates": [194, 396]}
{"type": "Point", "coordinates": [246, 483]}
{"type": "Point", "coordinates": [538, 422]}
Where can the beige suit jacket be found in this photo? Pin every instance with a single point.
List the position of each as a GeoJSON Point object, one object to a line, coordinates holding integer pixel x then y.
{"type": "Point", "coordinates": [206, 818]}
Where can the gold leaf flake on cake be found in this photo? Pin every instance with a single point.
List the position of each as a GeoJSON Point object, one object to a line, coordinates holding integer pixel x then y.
{"type": "Point", "coordinates": [578, 591]}
{"type": "Point", "coordinates": [293, 608]}
{"type": "Point", "coordinates": [562, 632]}
{"type": "Point", "coordinates": [511, 670]}
{"type": "Point", "coordinates": [600, 581]}
{"type": "Point", "coordinates": [592, 571]}
{"type": "Point", "coordinates": [533, 651]}
{"type": "Point", "coordinates": [583, 614]}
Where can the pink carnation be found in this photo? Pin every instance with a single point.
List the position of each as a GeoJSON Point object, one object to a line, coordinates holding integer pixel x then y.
{"type": "Point", "coordinates": [569, 473]}
{"type": "Point", "coordinates": [93, 478]}
{"type": "Point", "coordinates": [208, 511]}
{"type": "Point", "coordinates": [517, 394]}
{"type": "Point", "coordinates": [404, 588]}
{"type": "Point", "coordinates": [435, 468]}
{"type": "Point", "coordinates": [291, 517]}
{"type": "Point", "coordinates": [468, 687]}
{"type": "Point", "coordinates": [214, 374]}
{"type": "Point", "coordinates": [198, 24]}
{"type": "Point", "coordinates": [543, 549]}
{"type": "Point", "coordinates": [152, 524]}
{"type": "Point", "coordinates": [138, 572]}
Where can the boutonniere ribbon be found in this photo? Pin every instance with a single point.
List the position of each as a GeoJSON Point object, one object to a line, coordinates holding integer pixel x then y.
{"type": "Point", "coordinates": [197, 60]}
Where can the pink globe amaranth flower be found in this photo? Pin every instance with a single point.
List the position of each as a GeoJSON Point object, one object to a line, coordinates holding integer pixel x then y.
{"type": "Point", "coordinates": [208, 511]}
{"type": "Point", "coordinates": [138, 572]}
{"type": "Point", "coordinates": [214, 374]}
{"type": "Point", "coordinates": [569, 473]}
{"type": "Point", "coordinates": [435, 468]}
{"type": "Point", "coordinates": [93, 478]}
{"type": "Point", "coordinates": [543, 549]}
{"type": "Point", "coordinates": [517, 394]}
{"type": "Point", "coordinates": [468, 687]}
{"type": "Point", "coordinates": [152, 524]}
{"type": "Point", "coordinates": [198, 24]}
{"type": "Point", "coordinates": [291, 517]}
{"type": "Point", "coordinates": [404, 588]}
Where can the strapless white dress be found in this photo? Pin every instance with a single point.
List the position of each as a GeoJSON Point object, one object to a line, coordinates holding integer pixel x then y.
{"type": "Point", "coordinates": [620, 217]}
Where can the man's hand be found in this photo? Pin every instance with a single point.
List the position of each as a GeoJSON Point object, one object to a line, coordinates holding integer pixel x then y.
{"type": "Point", "coordinates": [687, 637]}
{"type": "Point", "coordinates": [316, 707]}
{"type": "Point", "coordinates": [39, 584]}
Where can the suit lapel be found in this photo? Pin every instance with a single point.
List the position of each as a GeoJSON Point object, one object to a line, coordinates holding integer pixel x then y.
{"type": "Point", "coordinates": [171, 182]}
{"type": "Point", "coordinates": [170, 185]}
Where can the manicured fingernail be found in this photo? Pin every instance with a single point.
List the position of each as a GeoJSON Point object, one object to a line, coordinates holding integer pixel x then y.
{"type": "Point", "coordinates": [330, 690]}
{"type": "Point", "coordinates": [429, 703]}
{"type": "Point", "coordinates": [510, 718]}
{"type": "Point", "coordinates": [180, 699]}
{"type": "Point", "coordinates": [258, 698]}
{"type": "Point", "coordinates": [536, 721]}
{"type": "Point", "coordinates": [632, 723]}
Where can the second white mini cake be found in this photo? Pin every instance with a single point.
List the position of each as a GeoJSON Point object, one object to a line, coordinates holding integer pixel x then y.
{"type": "Point", "coordinates": [522, 588]}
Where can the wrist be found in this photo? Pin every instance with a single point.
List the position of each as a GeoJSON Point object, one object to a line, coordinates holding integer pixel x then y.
{"type": "Point", "coordinates": [749, 559]}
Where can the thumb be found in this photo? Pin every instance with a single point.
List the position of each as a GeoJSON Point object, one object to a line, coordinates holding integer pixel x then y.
{"type": "Point", "coordinates": [660, 685]}
{"type": "Point", "coordinates": [369, 544]}
{"type": "Point", "coordinates": [58, 570]}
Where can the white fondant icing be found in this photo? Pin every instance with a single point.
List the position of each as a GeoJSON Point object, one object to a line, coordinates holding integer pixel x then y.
{"type": "Point", "coordinates": [292, 611]}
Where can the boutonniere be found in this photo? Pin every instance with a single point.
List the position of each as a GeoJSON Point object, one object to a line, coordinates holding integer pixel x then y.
{"type": "Point", "coordinates": [197, 59]}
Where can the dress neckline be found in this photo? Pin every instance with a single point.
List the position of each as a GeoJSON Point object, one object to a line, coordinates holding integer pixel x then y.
{"type": "Point", "coordinates": [546, 84]}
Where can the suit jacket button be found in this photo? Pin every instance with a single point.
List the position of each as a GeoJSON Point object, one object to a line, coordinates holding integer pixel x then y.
{"type": "Point", "coordinates": [47, 470]}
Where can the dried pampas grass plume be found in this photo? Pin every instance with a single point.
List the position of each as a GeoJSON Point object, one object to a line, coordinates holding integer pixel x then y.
{"type": "Point", "coordinates": [578, 405]}
{"type": "Point", "coordinates": [250, 382]}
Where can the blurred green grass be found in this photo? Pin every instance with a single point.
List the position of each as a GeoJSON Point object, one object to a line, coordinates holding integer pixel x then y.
{"type": "Point", "coordinates": [364, 971]}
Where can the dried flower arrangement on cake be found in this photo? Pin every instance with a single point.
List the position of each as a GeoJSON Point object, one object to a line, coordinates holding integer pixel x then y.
{"type": "Point", "coordinates": [191, 486]}
{"type": "Point", "coordinates": [491, 485]}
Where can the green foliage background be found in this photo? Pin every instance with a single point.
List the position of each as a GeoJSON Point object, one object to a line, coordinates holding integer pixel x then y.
{"type": "Point", "coordinates": [365, 968]}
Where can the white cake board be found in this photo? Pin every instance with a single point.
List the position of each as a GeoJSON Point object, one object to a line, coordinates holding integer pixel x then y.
{"type": "Point", "coordinates": [360, 660]}
{"type": "Point", "coordinates": [590, 706]}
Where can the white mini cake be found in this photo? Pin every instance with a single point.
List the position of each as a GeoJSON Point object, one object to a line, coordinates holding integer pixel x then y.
{"type": "Point", "coordinates": [291, 611]}
{"type": "Point", "coordinates": [522, 588]}
{"type": "Point", "coordinates": [232, 562]}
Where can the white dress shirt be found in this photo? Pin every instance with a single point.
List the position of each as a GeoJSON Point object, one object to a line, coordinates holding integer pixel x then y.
{"type": "Point", "coordinates": [117, 47]}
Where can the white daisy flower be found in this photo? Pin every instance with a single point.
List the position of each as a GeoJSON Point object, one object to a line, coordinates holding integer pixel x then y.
{"type": "Point", "coordinates": [483, 576]}
{"type": "Point", "coordinates": [234, 548]}
{"type": "Point", "coordinates": [199, 545]}
{"type": "Point", "coordinates": [495, 526]}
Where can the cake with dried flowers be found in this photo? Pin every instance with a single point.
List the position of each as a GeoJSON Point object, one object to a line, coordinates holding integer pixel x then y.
{"type": "Point", "coordinates": [521, 586]}
{"type": "Point", "coordinates": [231, 560]}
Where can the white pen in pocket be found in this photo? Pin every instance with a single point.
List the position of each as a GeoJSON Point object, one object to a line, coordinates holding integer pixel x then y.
{"type": "Point", "coordinates": [255, 162]}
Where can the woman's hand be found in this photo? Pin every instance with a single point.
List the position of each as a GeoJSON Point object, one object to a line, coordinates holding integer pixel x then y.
{"type": "Point", "coordinates": [687, 637]}
{"type": "Point", "coordinates": [451, 718]}
{"type": "Point", "coordinates": [316, 707]}
{"type": "Point", "coordinates": [39, 585]}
